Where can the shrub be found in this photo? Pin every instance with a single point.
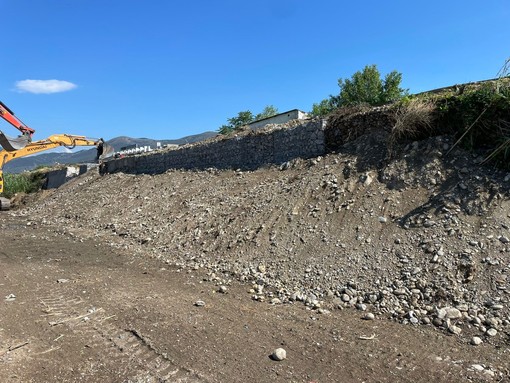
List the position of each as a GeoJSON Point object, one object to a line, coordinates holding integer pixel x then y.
{"type": "Point", "coordinates": [367, 87]}
{"type": "Point", "coordinates": [323, 108]}
{"type": "Point", "coordinates": [480, 118]}
{"type": "Point", "coordinates": [28, 182]}
{"type": "Point", "coordinates": [413, 120]}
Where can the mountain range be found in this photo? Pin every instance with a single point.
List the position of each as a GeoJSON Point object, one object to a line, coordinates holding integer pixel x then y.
{"type": "Point", "coordinates": [89, 155]}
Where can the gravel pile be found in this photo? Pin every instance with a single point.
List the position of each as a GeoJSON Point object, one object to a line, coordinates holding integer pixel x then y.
{"type": "Point", "coordinates": [421, 237]}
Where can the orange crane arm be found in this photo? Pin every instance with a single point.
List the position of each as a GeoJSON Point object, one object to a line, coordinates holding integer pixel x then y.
{"type": "Point", "coordinates": [9, 116]}
{"type": "Point", "coordinates": [54, 141]}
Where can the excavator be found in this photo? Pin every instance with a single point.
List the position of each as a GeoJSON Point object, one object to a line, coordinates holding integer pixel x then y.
{"type": "Point", "coordinates": [23, 145]}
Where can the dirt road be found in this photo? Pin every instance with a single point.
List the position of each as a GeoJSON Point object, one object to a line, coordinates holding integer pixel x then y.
{"type": "Point", "coordinates": [79, 311]}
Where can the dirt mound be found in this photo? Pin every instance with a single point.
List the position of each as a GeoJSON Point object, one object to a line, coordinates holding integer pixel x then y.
{"type": "Point", "coordinates": [422, 238]}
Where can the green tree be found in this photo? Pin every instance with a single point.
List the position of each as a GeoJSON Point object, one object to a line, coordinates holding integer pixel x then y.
{"type": "Point", "coordinates": [269, 111]}
{"type": "Point", "coordinates": [323, 108]}
{"type": "Point", "coordinates": [391, 88]}
{"type": "Point", "coordinates": [242, 118]}
{"type": "Point", "coordinates": [366, 86]}
{"type": "Point", "coordinates": [234, 123]}
{"type": "Point", "coordinates": [225, 129]}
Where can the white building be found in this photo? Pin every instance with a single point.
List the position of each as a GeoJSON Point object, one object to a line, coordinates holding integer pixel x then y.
{"type": "Point", "coordinates": [281, 118]}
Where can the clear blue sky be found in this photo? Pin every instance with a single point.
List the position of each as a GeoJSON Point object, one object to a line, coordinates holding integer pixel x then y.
{"type": "Point", "coordinates": [167, 69]}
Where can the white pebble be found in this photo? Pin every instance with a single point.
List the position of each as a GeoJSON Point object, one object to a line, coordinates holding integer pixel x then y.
{"type": "Point", "coordinates": [279, 354]}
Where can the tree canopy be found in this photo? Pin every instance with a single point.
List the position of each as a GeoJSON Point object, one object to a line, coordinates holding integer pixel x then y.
{"type": "Point", "coordinates": [269, 111]}
{"type": "Point", "coordinates": [245, 117]}
{"type": "Point", "coordinates": [367, 87]}
{"type": "Point", "coordinates": [364, 87]}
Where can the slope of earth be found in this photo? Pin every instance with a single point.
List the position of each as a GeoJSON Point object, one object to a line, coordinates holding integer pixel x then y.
{"type": "Point", "coordinates": [422, 239]}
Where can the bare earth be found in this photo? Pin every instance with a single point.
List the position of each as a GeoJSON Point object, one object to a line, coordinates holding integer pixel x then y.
{"type": "Point", "coordinates": [100, 279]}
{"type": "Point", "coordinates": [85, 313]}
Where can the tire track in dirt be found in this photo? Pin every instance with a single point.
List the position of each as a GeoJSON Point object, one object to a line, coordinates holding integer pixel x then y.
{"type": "Point", "coordinates": [126, 351]}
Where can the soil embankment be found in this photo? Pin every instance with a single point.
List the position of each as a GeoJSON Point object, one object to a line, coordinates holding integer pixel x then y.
{"type": "Point", "coordinates": [420, 241]}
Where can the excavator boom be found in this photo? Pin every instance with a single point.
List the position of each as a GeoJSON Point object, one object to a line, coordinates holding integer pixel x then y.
{"type": "Point", "coordinates": [54, 141]}
{"type": "Point", "coordinates": [23, 145]}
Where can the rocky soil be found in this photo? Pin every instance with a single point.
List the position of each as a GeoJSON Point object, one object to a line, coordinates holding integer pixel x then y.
{"type": "Point", "coordinates": [422, 238]}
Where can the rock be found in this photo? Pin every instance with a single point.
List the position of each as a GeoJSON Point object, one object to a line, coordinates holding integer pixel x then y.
{"type": "Point", "coordinates": [261, 268]}
{"type": "Point", "coordinates": [199, 303]}
{"type": "Point", "coordinates": [491, 322]}
{"type": "Point", "coordinates": [383, 219]}
{"type": "Point", "coordinates": [366, 179]}
{"type": "Point", "coordinates": [369, 316]}
{"type": "Point", "coordinates": [279, 354]}
{"type": "Point", "coordinates": [453, 313]}
{"type": "Point", "coordinates": [323, 311]}
{"type": "Point", "coordinates": [449, 313]}
{"type": "Point", "coordinates": [504, 239]}
{"type": "Point", "coordinates": [276, 301]}
{"type": "Point", "coordinates": [463, 307]}
{"type": "Point", "coordinates": [492, 332]}
{"type": "Point", "coordinates": [475, 341]}
{"type": "Point", "coordinates": [222, 289]}
{"type": "Point", "coordinates": [454, 329]}
{"type": "Point", "coordinates": [10, 298]}
{"type": "Point", "coordinates": [285, 165]}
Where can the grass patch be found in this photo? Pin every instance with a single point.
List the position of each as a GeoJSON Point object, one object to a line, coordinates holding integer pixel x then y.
{"type": "Point", "coordinates": [28, 182]}
{"type": "Point", "coordinates": [414, 119]}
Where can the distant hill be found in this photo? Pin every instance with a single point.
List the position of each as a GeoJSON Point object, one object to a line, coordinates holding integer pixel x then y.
{"type": "Point", "coordinates": [88, 155]}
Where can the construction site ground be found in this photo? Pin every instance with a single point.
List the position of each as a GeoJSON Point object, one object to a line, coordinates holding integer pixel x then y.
{"type": "Point", "coordinates": [83, 312]}
{"type": "Point", "coordinates": [199, 276]}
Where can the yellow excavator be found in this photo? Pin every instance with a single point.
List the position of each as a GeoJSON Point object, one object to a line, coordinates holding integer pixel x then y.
{"type": "Point", "coordinates": [23, 145]}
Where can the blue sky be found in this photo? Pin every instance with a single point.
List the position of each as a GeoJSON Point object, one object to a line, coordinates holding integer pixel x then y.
{"type": "Point", "coordinates": [167, 69]}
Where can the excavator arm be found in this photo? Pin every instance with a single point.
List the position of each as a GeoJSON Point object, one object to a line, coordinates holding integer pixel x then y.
{"type": "Point", "coordinates": [9, 143]}
{"type": "Point", "coordinates": [23, 145]}
{"type": "Point", "coordinates": [54, 141]}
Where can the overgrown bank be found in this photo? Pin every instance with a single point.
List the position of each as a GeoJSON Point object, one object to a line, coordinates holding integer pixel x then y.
{"type": "Point", "coordinates": [476, 115]}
